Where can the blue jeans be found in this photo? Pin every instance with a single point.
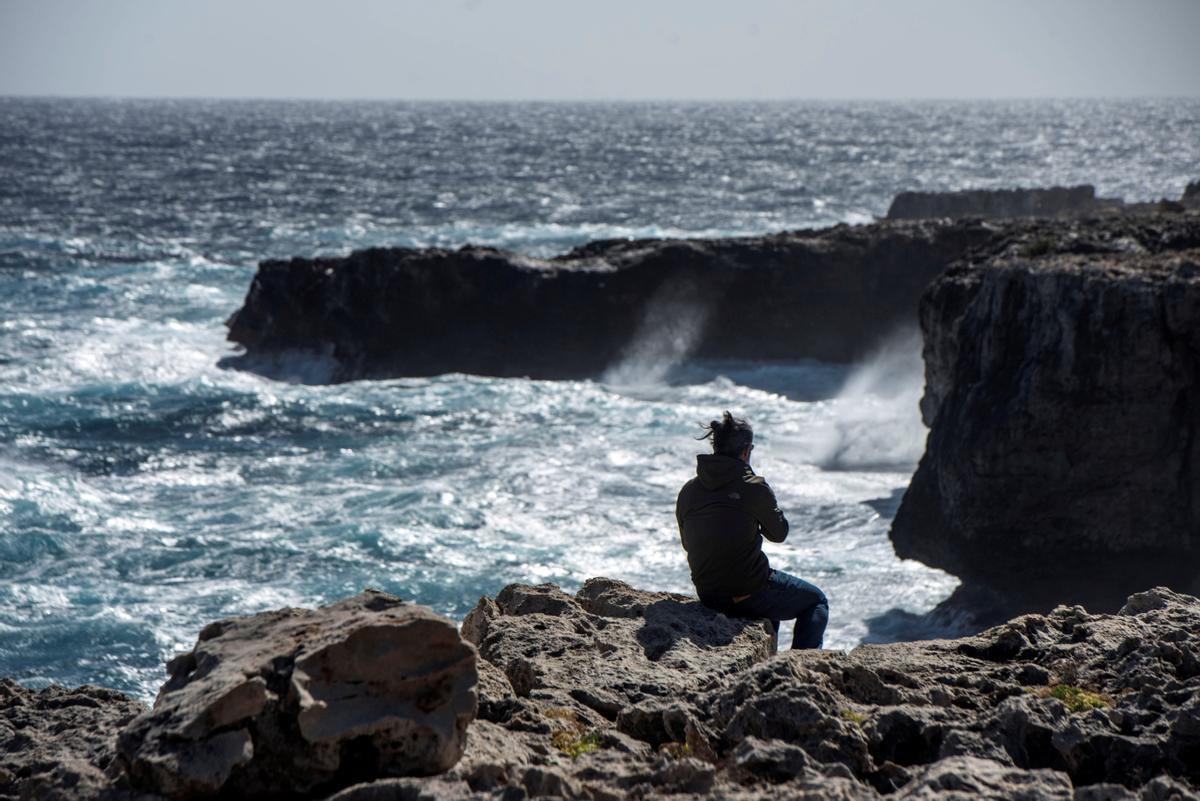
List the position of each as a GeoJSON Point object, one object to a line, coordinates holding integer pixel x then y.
{"type": "Point", "coordinates": [785, 597]}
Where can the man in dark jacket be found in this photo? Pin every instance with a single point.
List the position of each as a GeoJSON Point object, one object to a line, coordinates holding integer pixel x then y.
{"type": "Point", "coordinates": [723, 514]}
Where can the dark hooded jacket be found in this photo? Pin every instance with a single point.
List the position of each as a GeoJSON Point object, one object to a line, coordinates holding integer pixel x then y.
{"type": "Point", "coordinates": [723, 514]}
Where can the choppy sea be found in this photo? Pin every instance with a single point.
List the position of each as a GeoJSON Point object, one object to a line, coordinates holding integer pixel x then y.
{"type": "Point", "coordinates": [145, 490]}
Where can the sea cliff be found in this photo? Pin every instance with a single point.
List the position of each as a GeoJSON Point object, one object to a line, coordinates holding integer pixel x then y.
{"type": "Point", "coordinates": [1062, 392]}
{"type": "Point", "coordinates": [831, 295]}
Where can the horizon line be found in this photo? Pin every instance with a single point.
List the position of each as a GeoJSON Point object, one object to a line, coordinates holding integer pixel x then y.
{"type": "Point", "coordinates": [596, 100]}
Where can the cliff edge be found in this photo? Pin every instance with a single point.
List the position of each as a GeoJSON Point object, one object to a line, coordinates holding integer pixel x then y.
{"type": "Point", "coordinates": [1062, 394]}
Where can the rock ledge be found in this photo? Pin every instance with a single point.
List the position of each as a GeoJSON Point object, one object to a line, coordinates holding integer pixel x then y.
{"type": "Point", "coordinates": [616, 692]}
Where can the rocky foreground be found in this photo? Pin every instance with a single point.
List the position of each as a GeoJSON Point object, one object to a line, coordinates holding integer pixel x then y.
{"type": "Point", "coordinates": [616, 692]}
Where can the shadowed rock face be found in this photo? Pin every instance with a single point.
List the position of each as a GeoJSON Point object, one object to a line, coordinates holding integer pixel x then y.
{"type": "Point", "coordinates": [616, 692]}
{"type": "Point", "coordinates": [998, 203]}
{"type": "Point", "coordinates": [1191, 194]}
{"type": "Point", "coordinates": [830, 295]}
{"type": "Point", "coordinates": [285, 703]}
{"type": "Point", "coordinates": [1063, 396]}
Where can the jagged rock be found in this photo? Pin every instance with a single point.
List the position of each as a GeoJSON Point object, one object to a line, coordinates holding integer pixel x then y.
{"type": "Point", "coordinates": [972, 779]}
{"type": "Point", "coordinates": [998, 203]}
{"type": "Point", "coordinates": [297, 701]}
{"type": "Point", "coordinates": [493, 757]}
{"type": "Point", "coordinates": [1064, 705]}
{"type": "Point", "coordinates": [58, 743]}
{"type": "Point", "coordinates": [610, 672]}
{"type": "Point", "coordinates": [952, 718]}
{"type": "Point", "coordinates": [414, 790]}
{"type": "Point", "coordinates": [637, 649]}
{"type": "Point", "coordinates": [774, 760]}
{"type": "Point", "coordinates": [495, 693]}
{"type": "Point", "coordinates": [1063, 398]}
{"type": "Point", "coordinates": [1191, 194]}
{"type": "Point", "coordinates": [832, 295]}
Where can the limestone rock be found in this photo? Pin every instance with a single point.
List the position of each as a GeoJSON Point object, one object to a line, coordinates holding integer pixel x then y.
{"type": "Point", "coordinates": [1064, 705]}
{"type": "Point", "coordinates": [634, 647]}
{"type": "Point", "coordinates": [1038, 707]}
{"type": "Point", "coordinates": [295, 701]}
{"type": "Point", "coordinates": [1084, 695]}
{"type": "Point", "coordinates": [1063, 398]}
{"type": "Point", "coordinates": [973, 779]}
{"type": "Point", "coordinates": [998, 203]}
{"type": "Point", "coordinates": [603, 685]}
{"type": "Point", "coordinates": [412, 790]}
{"type": "Point", "coordinates": [57, 744]}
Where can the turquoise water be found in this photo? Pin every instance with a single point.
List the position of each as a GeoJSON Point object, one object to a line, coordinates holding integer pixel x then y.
{"type": "Point", "coordinates": [145, 491]}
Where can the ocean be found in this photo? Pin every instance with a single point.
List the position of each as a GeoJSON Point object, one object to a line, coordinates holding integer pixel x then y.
{"type": "Point", "coordinates": [146, 490]}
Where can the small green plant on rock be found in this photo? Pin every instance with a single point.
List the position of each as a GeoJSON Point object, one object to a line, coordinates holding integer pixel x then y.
{"type": "Point", "coordinates": [857, 718]}
{"type": "Point", "coordinates": [1077, 699]}
{"type": "Point", "coordinates": [572, 737]}
{"type": "Point", "coordinates": [575, 745]}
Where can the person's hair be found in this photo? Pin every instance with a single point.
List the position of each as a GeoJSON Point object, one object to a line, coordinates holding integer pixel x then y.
{"type": "Point", "coordinates": [730, 435]}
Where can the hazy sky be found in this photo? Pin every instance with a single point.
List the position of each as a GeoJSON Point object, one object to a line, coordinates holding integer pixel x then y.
{"type": "Point", "coordinates": [604, 49]}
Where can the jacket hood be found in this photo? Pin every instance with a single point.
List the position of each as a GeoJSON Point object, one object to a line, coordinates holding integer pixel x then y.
{"type": "Point", "coordinates": [716, 470]}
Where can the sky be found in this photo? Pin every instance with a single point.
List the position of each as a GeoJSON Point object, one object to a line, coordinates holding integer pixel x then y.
{"type": "Point", "coordinates": [601, 50]}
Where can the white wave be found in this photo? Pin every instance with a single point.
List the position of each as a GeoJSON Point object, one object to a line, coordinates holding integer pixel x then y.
{"type": "Point", "coordinates": [291, 366]}
{"type": "Point", "coordinates": [671, 326]}
{"type": "Point", "coordinates": [875, 421]}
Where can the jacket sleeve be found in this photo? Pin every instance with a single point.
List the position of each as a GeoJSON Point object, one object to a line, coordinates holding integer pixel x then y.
{"type": "Point", "coordinates": [765, 508]}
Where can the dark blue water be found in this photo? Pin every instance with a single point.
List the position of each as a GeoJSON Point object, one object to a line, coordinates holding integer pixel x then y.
{"type": "Point", "coordinates": [144, 491]}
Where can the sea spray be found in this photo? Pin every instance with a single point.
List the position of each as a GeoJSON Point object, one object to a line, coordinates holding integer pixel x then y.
{"type": "Point", "coordinates": [875, 420]}
{"type": "Point", "coordinates": [671, 325]}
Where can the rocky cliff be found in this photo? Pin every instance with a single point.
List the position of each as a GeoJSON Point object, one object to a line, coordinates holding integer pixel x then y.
{"type": "Point", "coordinates": [1191, 195]}
{"type": "Point", "coordinates": [1063, 397]}
{"type": "Point", "coordinates": [1000, 203]}
{"type": "Point", "coordinates": [615, 692]}
{"type": "Point", "coordinates": [1079, 202]}
{"type": "Point", "coordinates": [830, 295]}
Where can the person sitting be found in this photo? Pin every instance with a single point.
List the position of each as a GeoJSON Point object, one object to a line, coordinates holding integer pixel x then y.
{"type": "Point", "coordinates": [723, 515]}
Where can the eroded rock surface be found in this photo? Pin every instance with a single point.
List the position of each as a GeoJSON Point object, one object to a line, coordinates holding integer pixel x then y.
{"type": "Point", "coordinates": [291, 702]}
{"type": "Point", "coordinates": [58, 744]}
{"type": "Point", "coordinates": [1063, 396]}
{"type": "Point", "coordinates": [618, 693]}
